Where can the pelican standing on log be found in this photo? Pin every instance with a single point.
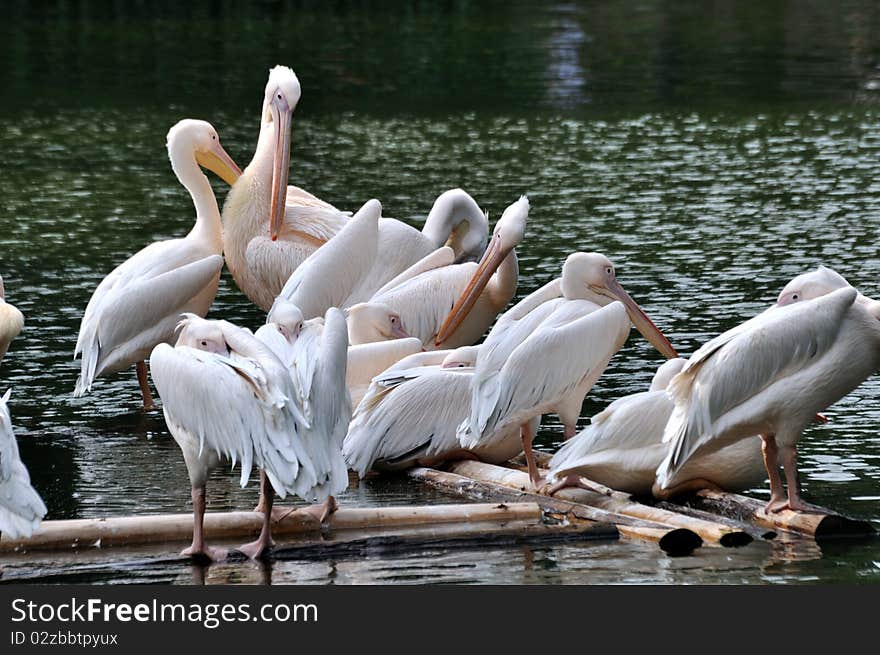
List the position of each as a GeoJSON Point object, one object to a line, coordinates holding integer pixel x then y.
{"type": "Point", "coordinates": [771, 375]}
{"type": "Point", "coordinates": [11, 322]}
{"type": "Point", "coordinates": [546, 353]}
{"type": "Point", "coordinates": [226, 396]}
{"type": "Point", "coordinates": [139, 304]}
{"type": "Point", "coordinates": [21, 508]}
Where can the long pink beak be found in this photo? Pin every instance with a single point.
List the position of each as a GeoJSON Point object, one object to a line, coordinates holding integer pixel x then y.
{"type": "Point", "coordinates": [641, 321]}
{"type": "Point", "coordinates": [281, 116]}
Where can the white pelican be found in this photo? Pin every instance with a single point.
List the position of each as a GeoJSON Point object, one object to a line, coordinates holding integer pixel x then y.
{"type": "Point", "coordinates": [225, 395]}
{"type": "Point", "coordinates": [140, 302]}
{"type": "Point", "coordinates": [545, 354]}
{"type": "Point", "coordinates": [21, 508]}
{"type": "Point", "coordinates": [294, 341]}
{"type": "Point", "coordinates": [270, 228]}
{"type": "Point", "coordinates": [11, 322]}
{"type": "Point", "coordinates": [315, 356]}
{"type": "Point", "coordinates": [448, 304]}
{"type": "Point", "coordinates": [623, 446]}
{"type": "Point", "coordinates": [771, 375]}
{"type": "Point", "coordinates": [410, 413]}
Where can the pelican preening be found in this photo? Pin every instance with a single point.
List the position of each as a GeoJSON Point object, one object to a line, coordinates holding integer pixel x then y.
{"type": "Point", "coordinates": [11, 322]}
{"type": "Point", "coordinates": [21, 508]}
{"type": "Point", "coordinates": [546, 353]}
{"type": "Point", "coordinates": [623, 446]}
{"type": "Point", "coordinates": [270, 228]}
{"type": "Point", "coordinates": [138, 305]}
{"type": "Point", "coordinates": [771, 375]}
{"type": "Point", "coordinates": [225, 395]}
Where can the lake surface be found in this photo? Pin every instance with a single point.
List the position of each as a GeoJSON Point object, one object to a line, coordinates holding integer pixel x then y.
{"type": "Point", "coordinates": [711, 150]}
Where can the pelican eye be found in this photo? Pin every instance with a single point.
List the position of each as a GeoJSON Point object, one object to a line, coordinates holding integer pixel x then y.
{"type": "Point", "coordinates": [794, 296]}
{"type": "Point", "coordinates": [609, 270]}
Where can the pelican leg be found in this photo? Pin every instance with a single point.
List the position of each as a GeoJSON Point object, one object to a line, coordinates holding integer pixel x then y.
{"type": "Point", "coordinates": [141, 368]}
{"type": "Point", "coordinates": [198, 548]}
{"type": "Point", "coordinates": [256, 549]}
{"type": "Point", "coordinates": [261, 504]}
{"type": "Point", "coordinates": [684, 487]}
{"type": "Point", "coordinates": [527, 436]}
{"type": "Point", "coordinates": [577, 482]}
{"type": "Point", "coordinates": [788, 455]}
{"type": "Point", "coordinates": [568, 431]}
{"type": "Point", "coordinates": [771, 463]}
{"type": "Point", "coordinates": [323, 511]}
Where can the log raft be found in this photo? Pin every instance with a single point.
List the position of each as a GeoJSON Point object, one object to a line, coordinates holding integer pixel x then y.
{"type": "Point", "coordinates": [164, 528]}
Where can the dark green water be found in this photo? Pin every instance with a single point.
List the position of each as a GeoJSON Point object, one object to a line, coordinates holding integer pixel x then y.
{"type": "Point", "coordinates": [712, 150]}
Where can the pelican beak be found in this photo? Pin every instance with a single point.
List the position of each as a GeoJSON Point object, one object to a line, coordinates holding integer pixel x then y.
{"type": "Point", "coordinates": [641, 321]}
{"type": "Point", "coordinates": [218, 161]}
{"type": "Point", "coordinates": [489, 263]}
{"type": "Point", "coordinates": [399, 332]}
{"type": "Point", "coordinates": [281, 117]}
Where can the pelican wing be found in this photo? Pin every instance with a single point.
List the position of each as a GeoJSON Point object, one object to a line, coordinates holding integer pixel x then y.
{"type": "Point", "coordinates": [739, 364]}
{"type": "Point", "coordinates": [412, 414]}
{"type": "Point", "coordinates": [623, 435]}
{"type": "Point", "coordinates": [441, 257]}
{"type": "Point", "coordinates": [147, 292]}
{"type": "Point", "coordinates": [327, 276]}
{"type": "Point", "coordinates": [553, 361]}
{"type": "Point", "coordinates": [366, 361]}
{"type": "Point", "coordinates": [21, 508]}
{"type": "Point", "coordinates": [233, 406]}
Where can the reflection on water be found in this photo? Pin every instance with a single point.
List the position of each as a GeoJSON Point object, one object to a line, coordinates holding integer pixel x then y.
{"type": "Point", "coordinates": [712, 151]}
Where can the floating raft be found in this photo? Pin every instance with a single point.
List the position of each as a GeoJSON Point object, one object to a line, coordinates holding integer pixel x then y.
{"type": "Point", "coordinates": [349, 532]}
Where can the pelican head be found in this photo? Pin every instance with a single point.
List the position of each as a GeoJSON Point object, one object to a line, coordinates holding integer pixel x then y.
{"type": "Point", "coordinates": [287, 316]}
{"type": "Point", "coordinates": [814, 284]}
{"type": "Point", "coordinates": [280, 99]}
{"type": "Point", "coordinates": [201, 140]}
{"type": "Point", "coordinates": [665, 372]}
{"type": "Point", "coordinates": [591, 276]}
{"type": "Point", "coordinates": [201, 334]}
{"type": "Point", "coordinates": [507, 235]}
{"type": "Point", "coordinates": [464, 357]}
{"type": "Point", "coordinates": [369, 322]}
{"type": "Point", "coordinates": [457, 221]}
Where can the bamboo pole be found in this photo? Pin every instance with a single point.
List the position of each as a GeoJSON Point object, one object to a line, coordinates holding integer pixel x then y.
{"type": "Point", "coordinates": [763, 533]}
{"type": "Point", "coordinates": [132, 530]}
{"type": "Point", "coordinates": [617, 502]}
{"type": "Point", "coordinates": [821, 524]}
{"type": "Point", "coordinates": [673, 541]}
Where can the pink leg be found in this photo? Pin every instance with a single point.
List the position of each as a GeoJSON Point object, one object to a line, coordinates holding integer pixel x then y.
{"type": "Point", "coordinates": [256, 549]}
{"type": "Point", "coordinates": [323, 511]}
{"type": "Point", "coordinates": [526, 435]}
{"type": "Point", "coordinates": [261, 504]}
{"type": "Point", "coordinates": [141, 368]}
{"type": "Point", "coordinates": [788, 455]}
{"type": "Point", "coordinates": [771, 463]}
{"type": "Point", "coordinates": [575, 481]}
{"type": "Point", "coordinates": [568, 431]}
{"type": "Point", "coordinates": [198, 547]}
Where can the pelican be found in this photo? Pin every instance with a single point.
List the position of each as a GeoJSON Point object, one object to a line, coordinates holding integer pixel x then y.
{"type": "Point", "coordinates": [771, 375]}
{"type": "Point", "coordinates": [11, 322]}
{"type": "Point", "coordinates": [225, 395]}
{"type": "Point", "coordinates": [623, 446]}
{"type": "Point", "coordinates": [316, 359]}
{"type": "Point", "coordinates": [21, 508]}
{"type": "Point", "coordinates": [368, 360]}
{"type": "Point", "coordinates": [410, 412]}
{"type": "Point", "coordinates": [546, 353]}
{"type": "Point", "coordinates": [270, 228]}
{"type": "Point", "coordinates": [140, 302]}
{"type": "Point", "coordinates": [422, 295]}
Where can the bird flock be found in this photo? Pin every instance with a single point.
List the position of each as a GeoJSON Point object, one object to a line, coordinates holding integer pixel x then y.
{"type": "Point", "coordinates": [367, 360]}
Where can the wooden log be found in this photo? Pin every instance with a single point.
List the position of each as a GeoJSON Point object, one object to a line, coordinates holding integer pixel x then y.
{"type": "Point", "coordinates": [763, 533]}
{"type": "Point", "coordinates": [132, 530]}
{"type": "Point", "coordinates": [671, 540]}
{"type": "Point", "coordinates": [617, 502]}
{"type": "Point", "coordinates": [824, 523]}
